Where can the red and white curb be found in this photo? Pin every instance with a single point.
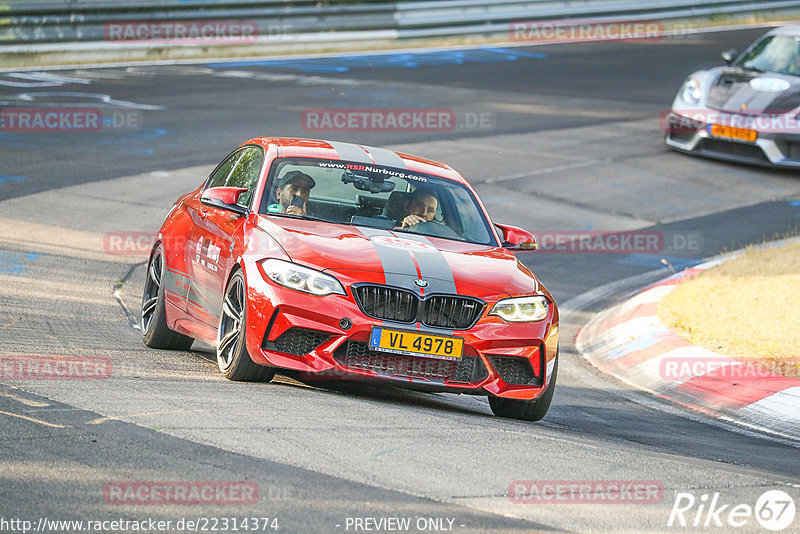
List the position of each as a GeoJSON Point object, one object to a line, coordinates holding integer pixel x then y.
{"type": "Point", "coordinates": [629, 342]}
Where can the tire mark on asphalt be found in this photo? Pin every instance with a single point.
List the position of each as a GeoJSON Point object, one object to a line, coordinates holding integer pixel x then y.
{"type": "Point", "coordinates": [23, 400]}
{"type": "Point", "coordinates": [31, 419]}
{"type": "Point", "coordinates": [117, 293]}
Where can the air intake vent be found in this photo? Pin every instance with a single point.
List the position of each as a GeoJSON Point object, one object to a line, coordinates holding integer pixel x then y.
{"type": "Point", "coordinates": [297, 341]}
{"type": "Point", "coordinates": [357, 355]}
{"type": "Point", "coordinates": [515, 370]}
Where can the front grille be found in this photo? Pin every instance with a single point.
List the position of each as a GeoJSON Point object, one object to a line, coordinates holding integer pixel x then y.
{"type": "Point", "coordinates": [451, 312]}
{"type": "Point", "coordinates": [357, 355]}
{"type": "Point", "coordinates": [515, 370]}
{"type": "Point", "coordinates": [400, 305]}
{"type": "Point", "coordinates": [731, 148]}
{"type": "Point", "coordinates": [297, 341]}
{"type": "Point", "coordinates": [388, 303]}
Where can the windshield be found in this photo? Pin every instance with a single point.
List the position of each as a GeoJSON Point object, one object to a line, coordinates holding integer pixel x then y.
{"type": "Point", "coordinates": [375, 196]}
{"type": "Point", "coordinates": [774, 53]}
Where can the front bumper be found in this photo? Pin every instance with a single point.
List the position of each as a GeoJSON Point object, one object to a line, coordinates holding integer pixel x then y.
{"type": "Point", "coordinates": [770, 149]}
{"type": "Point", "coordinates": [328, 338]}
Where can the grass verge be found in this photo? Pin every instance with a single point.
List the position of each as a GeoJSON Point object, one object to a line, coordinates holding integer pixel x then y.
{"type": "Point", "coordinates": [747, 308]}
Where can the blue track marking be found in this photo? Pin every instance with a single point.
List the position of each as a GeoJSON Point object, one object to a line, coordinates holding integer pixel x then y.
{"type": "Point", "coordinates": [654, 261]}
{"type": "Point", "coordinates": [135, 141]}
{"type": "Point", "coordinates": [436, 58]}
{"type": "Point", "coordinates": [8, 178]}
{"type": "Point", "coordinates": [15, 263]}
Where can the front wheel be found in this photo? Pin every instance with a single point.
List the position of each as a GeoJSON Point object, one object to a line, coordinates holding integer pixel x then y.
{"type": "Point", "coordinates": [155, 332]}
{"type": "Point", "coordinates": [526, 410]}
{"type": "Point", "coordinates": [233, 359]}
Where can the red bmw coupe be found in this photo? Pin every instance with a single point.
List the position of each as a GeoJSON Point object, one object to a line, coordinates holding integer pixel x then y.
{"type": "Point", "coordinates": [352, 262]}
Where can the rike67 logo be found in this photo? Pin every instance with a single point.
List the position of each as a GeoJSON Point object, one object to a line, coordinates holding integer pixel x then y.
{"type": "Point", "coordinates": [774, 510]}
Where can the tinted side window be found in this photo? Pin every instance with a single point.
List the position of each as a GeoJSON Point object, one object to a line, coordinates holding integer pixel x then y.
{"type": "Point", "coordinates": [246, 173]}
{"type": "Point", "coordinates": [218, 177]}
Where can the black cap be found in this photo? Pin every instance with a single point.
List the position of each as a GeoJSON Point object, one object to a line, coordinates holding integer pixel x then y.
{"type": "Point", "coordinates": [295, 175]}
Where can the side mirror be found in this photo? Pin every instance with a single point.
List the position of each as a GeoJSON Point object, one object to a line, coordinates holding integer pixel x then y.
{"type": "Point", "coordinates": [225, 198]}
{"type": "Point", "coordinates": [516, 238]}
{"type": "Point", "coordinates": [728, 56]}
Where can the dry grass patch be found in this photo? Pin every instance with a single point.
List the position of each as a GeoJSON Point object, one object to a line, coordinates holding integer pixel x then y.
{"type": "Point", "coordinates": [747, 308]}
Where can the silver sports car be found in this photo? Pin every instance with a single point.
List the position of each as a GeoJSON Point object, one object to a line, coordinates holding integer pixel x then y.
{"type": "Point", "coordinates": [746, 111]}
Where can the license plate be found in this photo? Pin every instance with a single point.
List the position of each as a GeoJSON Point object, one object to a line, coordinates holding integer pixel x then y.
{"type": "Point", "coordinates": [416, 344]}
{"type": "Point", "coordinates": [729, 132]}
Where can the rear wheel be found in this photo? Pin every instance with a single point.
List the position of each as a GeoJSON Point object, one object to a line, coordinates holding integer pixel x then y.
{"type": "Point", "coordinates": [155, 332]}
{"type": "Point", "coordinates": [232, 357]}
{"type": "Point", "coordinates": [526, 410]}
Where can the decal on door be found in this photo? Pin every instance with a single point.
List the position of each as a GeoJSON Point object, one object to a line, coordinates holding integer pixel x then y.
{"type": "Point", "coordinates": [207, 254]}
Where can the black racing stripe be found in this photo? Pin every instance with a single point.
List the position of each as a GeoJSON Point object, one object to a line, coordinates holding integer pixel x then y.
{"type": "Point", "coordinates": [761, 101]}
{"type": "Point", "coordinates": [786, 101]}
{"type": "Point", "coordinates": [740, 98]}
{"type": "Point", "coordinates": [194, 293]}
{"type": "Point", "coordinates": [387, 158]}
{"type": "Point", "coordinates": [174, 280]}
{"type": "Point", "coordinates": [433, 267]}
{"type": "Point", "coordinates": [351, 152]}
{"type": "Point", "coordinates": [399, 268]}
{"type": "Point", "coordinates": [202, 301]}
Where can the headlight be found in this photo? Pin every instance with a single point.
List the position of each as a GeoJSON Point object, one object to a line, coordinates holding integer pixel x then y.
{"type": "Point", "coordinates": [301, 278]}
{"type": "Point", "coordinates": [691, 91]}
{"type": "Point", "coordinates": [521, 309]}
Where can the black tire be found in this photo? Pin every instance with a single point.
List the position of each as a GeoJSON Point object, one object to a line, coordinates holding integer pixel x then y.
{"type": "Point", "coordinates": [233, 359]}
{"type": "Point", "coordinates": [526, 410]}
{"type": "Point", "coordinates": [153, 323]}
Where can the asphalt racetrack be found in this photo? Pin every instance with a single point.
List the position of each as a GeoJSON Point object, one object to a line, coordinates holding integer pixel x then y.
{"type": "Point", "coordinates": [556, 138]}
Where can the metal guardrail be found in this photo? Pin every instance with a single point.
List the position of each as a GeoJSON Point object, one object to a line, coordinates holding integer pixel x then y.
{"type": "Point", "coordinates": [32, 25]}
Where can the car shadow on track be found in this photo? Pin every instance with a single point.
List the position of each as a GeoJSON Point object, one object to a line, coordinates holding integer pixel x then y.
{"type": "Point", "coordinates": [384, 392]}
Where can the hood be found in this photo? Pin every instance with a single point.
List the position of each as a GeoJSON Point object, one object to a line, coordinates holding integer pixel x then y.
{"type": "Point", "coordinates": [743, 91]}
{"type": "Point", "coordinates": [359, 254]}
